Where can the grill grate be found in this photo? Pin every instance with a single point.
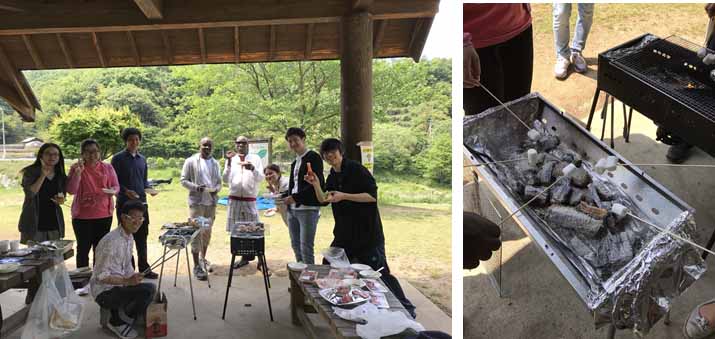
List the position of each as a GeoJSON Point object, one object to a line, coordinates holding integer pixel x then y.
{"type": "Point", "coordinates": [672, 66]}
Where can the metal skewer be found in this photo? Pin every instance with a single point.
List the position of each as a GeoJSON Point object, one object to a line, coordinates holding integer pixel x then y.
{"type": "Point", "coordinates": [503, 105]}
{"type": "Point", "coordinates": [495, 162]}
{"type": "Point", "coordinates": [667, 165]}
{"type": "Point", "coordinates": [671, 234]}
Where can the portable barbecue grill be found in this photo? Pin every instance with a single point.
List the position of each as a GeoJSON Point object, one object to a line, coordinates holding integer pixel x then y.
{"type": "Point", "coordinates": [666, 81]}
{"type": "Point", "coordinates": [636, 294]}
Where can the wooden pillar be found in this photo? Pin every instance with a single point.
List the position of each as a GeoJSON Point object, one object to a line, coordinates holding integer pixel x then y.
{"type": "Point", "coordinates": [356, 81]}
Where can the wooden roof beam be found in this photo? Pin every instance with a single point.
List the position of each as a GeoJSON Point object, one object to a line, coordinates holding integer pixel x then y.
{"type": "Point", "coordinates": [98, 48]}
{"type": "Point", "coordinates": [236, 45]}
{"type": "Point", "coordinates": [168, 53]}
{"type": "Point", "coordinates": [309, 41]}
{"type": "Point", "coordinates": [150, 8]}
{"type": "Point", "coordinates": [65, 50]}
{"type": "Point", "coordinates": [135, 50]}
{"type": "Point", "coordinates": [419, 38]}
{"type": "Point", "coordinates": [377, 36]}
{"type": "Point", "coordinates": [16, 90]}
{"type": "Point", "coordinates": [112, 16]}
{"type": "Point", "coordinates": [33, 51]}
{"type": "Point", "coordinates": [272, 43]}
{"type": "Point", "coordinates": [202, 45]}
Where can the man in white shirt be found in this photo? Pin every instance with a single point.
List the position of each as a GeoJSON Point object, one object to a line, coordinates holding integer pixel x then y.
{"type": "Point", "coordinates": [201, 176]}
{"type": "Point", "coordinates": [114, 284]}
{"type": "Point", "coordinates": [243, 173]}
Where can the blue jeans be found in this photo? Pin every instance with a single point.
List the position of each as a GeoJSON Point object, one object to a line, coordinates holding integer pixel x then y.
{"type": "Point", "coordinates": [302, 225]}
{"type": "Point", "coordinates": [562, 14]}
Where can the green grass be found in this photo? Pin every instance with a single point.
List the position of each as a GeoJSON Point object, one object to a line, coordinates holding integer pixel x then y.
{"type": "Point", "coordinates": [417, 231]}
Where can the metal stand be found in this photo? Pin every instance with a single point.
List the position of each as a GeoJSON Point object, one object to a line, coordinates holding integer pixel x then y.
{"type": "Point", "coordinates": [627, 118]}
{"type": "Point", "coordinates": [167, 249]}
{"type": "Point", "coordinates": [611, 331]}
{"type": "Point", "coordinates": [256, 248]}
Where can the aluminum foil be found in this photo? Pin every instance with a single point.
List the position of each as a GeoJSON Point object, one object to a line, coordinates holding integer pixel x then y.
{"type": "Point", "coordinates": [631, 274]}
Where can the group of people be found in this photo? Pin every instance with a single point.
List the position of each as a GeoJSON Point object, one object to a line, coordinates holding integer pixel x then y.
{"type": "Point", "coordinates": [117, 283]}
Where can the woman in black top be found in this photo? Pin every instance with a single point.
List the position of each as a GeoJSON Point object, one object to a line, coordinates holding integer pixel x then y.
{"type": "Point", "coordinates": [352, 193]}
{"type": "Point", "coordinates": [44, 185]}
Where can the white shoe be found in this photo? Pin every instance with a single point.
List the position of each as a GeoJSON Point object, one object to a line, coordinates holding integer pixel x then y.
{"type": "Point", "coordinates": [561, 70]}
{"type": "Point", "coordinates": [82, 291]}
{"type": "Point", "coordinates": [579, 63]}
{"type": "Point", "coordinates": [124, 331]}
{"type": "Point", "coordinates": [697, 327]}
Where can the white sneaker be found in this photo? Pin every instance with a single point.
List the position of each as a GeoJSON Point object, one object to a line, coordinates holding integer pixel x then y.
{"type": "Point", "coordinates": [82, 291]}
{"type": "Point", "coordinates": [697, 327]}
{"type": "Point", "coordinates": [579, 63]}
{"type": "Point", "coordinates": [124, 331]}
{"type": "Point", "coordinates": [561, 70]}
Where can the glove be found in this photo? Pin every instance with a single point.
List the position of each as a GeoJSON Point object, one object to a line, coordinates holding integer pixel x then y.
{"type": "Point", "coordinates": [481, 238]}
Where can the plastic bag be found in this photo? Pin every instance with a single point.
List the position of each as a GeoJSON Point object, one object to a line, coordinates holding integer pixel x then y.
{"type": "Point", "coordinates": [56, 311]}
{"type": "Point", "coordinates": [336, 257]}
{"type": "Point", "coordinates": [380, 322]}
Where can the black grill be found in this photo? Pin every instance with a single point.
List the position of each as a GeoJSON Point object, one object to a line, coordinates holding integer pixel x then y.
{"type": "Point", "coordinates": [665, 80]}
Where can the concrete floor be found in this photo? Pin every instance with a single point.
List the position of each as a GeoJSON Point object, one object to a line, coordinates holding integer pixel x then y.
{"type": "Point", "coordinates": [541, 304]}
{"type": "Point", "coordinates": [246, 316]}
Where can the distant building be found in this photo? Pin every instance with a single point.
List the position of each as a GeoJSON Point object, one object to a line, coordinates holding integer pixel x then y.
{"type": "Point", "coordinates": [32, 142]}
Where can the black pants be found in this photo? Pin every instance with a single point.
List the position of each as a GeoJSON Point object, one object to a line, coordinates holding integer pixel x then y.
{"type": "Point", "coordinates": [507, 69]}
{"type": "Point", "coordinates": [376, 258]}
{"type": "Point", "coordinates": [140, 238]}
{"type": "Point", "coordinates": [89, 232]}
{"type": "Point", "coordinates": [132, 299]}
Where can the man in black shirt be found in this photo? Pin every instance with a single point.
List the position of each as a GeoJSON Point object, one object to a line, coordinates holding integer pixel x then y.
{"type": "Point", "coordinates": [352, 193]}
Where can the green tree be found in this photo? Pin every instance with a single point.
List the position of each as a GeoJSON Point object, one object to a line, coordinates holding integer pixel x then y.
{"type": "Point", "coordinates": [103, 124]}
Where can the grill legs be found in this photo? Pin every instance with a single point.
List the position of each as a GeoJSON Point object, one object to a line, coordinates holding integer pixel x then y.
{"type": "Point", "coordinates": [266, 283]}
{"type": "Point", "coordinates": [627, 118]}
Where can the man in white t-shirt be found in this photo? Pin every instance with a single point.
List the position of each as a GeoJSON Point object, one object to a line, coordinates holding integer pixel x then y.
{"type": "Point", "coordinates": [201, 176]}
{"type": "Point", "coordinates": [243, 173]}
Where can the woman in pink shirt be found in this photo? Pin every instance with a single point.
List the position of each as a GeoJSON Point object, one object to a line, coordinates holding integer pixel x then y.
{"type": "Point", "coordinates": [498, 54]}
{"type": "Point", "coordinates": [93, 184]}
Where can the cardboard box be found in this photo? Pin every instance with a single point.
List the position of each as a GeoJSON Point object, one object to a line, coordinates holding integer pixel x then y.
{"type": "Point", "coordinates": [156, 317]}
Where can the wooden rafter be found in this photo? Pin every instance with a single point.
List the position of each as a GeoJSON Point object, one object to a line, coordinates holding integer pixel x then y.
{"type": "Point", "coordinates": [23, 100]}
{"type": "Point", "coordinates": [65, 50]}
{"type": "Point", "coordinates": [202, 45]}
{"type": "Point", "coordinates": [135, 50]}
{"type": "Point", "coordinates": [98, 48]}
{"type": "Point", "coordinates": [151, 8]}
{"type": "Point", "coordinates": [377, 36]}
{"type": "Point", "coordinates": [419, 38]}
{"type": "Point", "coordinates": [168, 53]}
{"type": "Point", "coordinates": [236, 45]}
{"type": "Point", "coordinates": [272, 43]}
{"type": "Point", "coordinates": [30, 46]}
{"type": "Point", "coordinates": [309, 41]}
{"type": "Point", "coordinates": [112, 15]}
{"type": "Point", "coordinates": [415, 31]}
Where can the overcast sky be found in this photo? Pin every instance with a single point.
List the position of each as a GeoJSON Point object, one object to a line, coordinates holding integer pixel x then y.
{"type": "Point", "coordinates": [440, 42]}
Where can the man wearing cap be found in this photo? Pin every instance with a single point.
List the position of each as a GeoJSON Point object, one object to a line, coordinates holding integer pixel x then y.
{"type": "Point", "coordinates": [243, 173]}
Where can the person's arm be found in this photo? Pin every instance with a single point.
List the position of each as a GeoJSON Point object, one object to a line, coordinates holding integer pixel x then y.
{"type": "Point", "coordinates": [217, 175]}
{"type": "Point", "coordinates": [319, 194]}
{"type": "Point", "coordinates": [471, 65]}
{"type": "Point", "coordinates": [31, 186]}
{"type": "Point", "coordinates": [365, 183]}
{"type": "Point", "coordinates": [186, 176]}
{"type": "Point", "coordinates": [146, 175]}
{"type": "Point", "coordinates": [316, 164]}
{"type": "Point", "coordinates": [258, 175]}
{"type": "Point", "coordinates": [73, 180]}
{"type": "Point", "coordinates": [112, 178]}
{"type": "Point", "coordinates": [227, 171]}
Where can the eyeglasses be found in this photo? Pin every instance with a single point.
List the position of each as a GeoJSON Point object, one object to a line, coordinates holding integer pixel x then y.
{"type": "Point", "coordinates": [138, 218]}
{"type": "Point", "coordinates": [241, 143]}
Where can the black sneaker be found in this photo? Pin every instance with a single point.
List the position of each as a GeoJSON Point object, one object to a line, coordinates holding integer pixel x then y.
{"type": "Point", "coordinates": [241, 263]}
{"type": "Point", "coordinates": [199, 273]}
{"type": "Point", "coordinates": [679, 152]}
{"type": "Point", "coordinates": [151, 275]}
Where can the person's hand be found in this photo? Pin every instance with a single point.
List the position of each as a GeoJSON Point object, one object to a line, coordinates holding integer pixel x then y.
{"type": "Point", "coordinates": [311, 179]}
{"type": "Point", "coordinates": [336, 196]}
{"type": "Point", "coordinates": [132, 195]}
{"type": "Point", "coordinates": [710, 10]}
{"type": "Point", "coordinates": [229, 156]}
{"type": "Point", "coordinates": [289, 200]}
{"type": "Point", "coordinates": [472, 68]}
{"type": "Point", "coordinates": [58, 199]}
{"type": "Point", "coordinates": [135, 279]}
{"type": "Point", "coordinates": [481, 238]}
{"type": "Point", "coordinates": [151, 191]}
{"type": "Point", "coordinates": [46, 170]}
{"type": "Point", "coordinates": [249, 166]}
{"type": "Point", "coordinates": [78, 167]}
{"type": "Point", "coordinates": [201, 188]}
